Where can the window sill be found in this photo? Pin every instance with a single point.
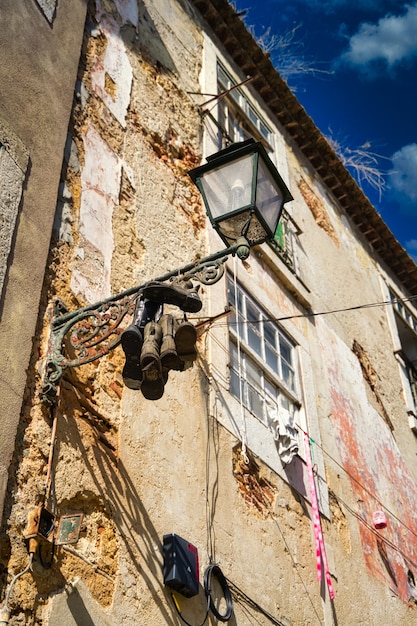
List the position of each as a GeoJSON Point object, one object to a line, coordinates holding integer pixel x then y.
{"type": "Point", "coordinates": [290, 281]}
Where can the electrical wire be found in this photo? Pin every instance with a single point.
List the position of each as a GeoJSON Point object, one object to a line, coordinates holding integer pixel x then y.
{"type": "Point", "coordinates": [74, 552]}
{"type": "Point", "coordinates": [295, 565]}
{"type": "Point", "coordinates": [214, 570]}
{"type": "Point", "coordinates": [362, 520]}
{"type": "Point", "coordinates": [379, 535]}
{"type": "Point", "coordinates": [240, 369]}
{"type": "Point", "coordinates": [211, 551]}
{"type": "Point", "coordinates": [179, 613]}
{"type": "Point", "coordinates": [391, 544]}
{"type": "Point", "coordinates": [241, 596]}
{"type": "Point", "coordinates": [353, 478]}
{"type": "Point", "coordinates": [321, 313]}
{"type": "Point", "coordinates": [14, 580]}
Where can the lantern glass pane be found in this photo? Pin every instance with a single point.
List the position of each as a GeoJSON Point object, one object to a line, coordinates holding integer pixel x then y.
{"type": "Point", "coordinates": [269, 197]}
{"type": "Point", "coordinates": [228, 188]}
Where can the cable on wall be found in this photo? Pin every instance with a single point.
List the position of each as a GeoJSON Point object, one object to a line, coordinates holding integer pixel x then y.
{"type": "Point", "coordinates": [179, 612]}
{"type": "Point", "coordinates": [214, 570]}
{"type": "Point", "coordinates": [295, 565]}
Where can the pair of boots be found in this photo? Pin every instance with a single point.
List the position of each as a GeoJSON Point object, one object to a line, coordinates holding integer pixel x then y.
{"type": "Point", "coordinates": [164, 345]}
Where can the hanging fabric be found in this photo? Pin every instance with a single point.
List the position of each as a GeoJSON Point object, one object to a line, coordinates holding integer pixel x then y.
{"type": "Point", "coordinates": [240, 369]}
{"type": "Point", "coordinates": [321, 558]}
{"type": "Point", "coordinates": [281, 424]}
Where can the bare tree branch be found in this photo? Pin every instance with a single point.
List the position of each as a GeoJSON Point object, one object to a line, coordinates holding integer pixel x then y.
{"type": "Point", "coordinates": [363, 163]}
{"type": "Point", "coordinates": [287, 56]}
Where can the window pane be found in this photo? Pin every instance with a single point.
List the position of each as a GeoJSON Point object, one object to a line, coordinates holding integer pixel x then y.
{"type": "Point", "coordinates": [245, 121]}
{"type": "Point", "coordinates": [231, 296]}
{"type": "Point", "coordinates": [254, 340]}
{"type": "Point", "coordinates": [270, 334]}
{"type": "Point", "coordinates": [288, 375]}
{"type": "Point", "coordinates": [271, 391]}
{"type": "Point", "coordinates": [253, 373]}
{"type": "Point", "coordinates": [234, 384]}
{"type": "Point", "coordinates": [285, 349]}
{"type": "Point", "coordinates": [239, 329]}
{"type": "Point", "coordinates": [271, 355]}
{"type": "Point", "coordinates": [271, 358]}
{"type": "Point", "coordinates": [285, 403]}
{"type": "Point", "coordinates": [252, 312]}
{"type": "Point", "coordinates": [255, 403]}
{"type": "Point", "coordinates": [254, 389]}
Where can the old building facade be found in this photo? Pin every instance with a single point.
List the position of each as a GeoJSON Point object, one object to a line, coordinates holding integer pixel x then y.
{"type": "Point", "coordinates": [288, 448]}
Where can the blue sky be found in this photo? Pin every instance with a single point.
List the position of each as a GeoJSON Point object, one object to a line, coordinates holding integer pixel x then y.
{"type": "Point", "coordinates": [361, 88]}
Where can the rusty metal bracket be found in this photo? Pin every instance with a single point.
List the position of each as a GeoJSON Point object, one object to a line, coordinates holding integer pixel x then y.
{"type": "Point", "coordinates": [87, 334]}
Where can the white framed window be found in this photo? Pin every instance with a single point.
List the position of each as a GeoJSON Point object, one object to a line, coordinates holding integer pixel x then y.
{"type": "Point", "coordinates": [238, 119]}
{"type": "Point", "coordinates": [263, 359]}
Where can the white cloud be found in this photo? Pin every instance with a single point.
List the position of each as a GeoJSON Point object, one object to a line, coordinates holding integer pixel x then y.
{"type": "Point", "coordinates": [403, 178]}
{"type": "Point", "coordinates": [411, 247]}
{"type": "Point", "coordinates": [411, 244]}
{"type": "Point", "coordinates": [391, 40]}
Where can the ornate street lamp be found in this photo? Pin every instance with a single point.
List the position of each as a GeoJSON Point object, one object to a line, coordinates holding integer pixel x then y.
{"type": "Point", "coordinates": [243, 194]}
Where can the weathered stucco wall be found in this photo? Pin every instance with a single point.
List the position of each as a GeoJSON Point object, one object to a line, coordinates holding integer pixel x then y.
{"type": "Point", "coordinates": [127, 212]}
{"type": "Point", "coordinates": [38, 68]}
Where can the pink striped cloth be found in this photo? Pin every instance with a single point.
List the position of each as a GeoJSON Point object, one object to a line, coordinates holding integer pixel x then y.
{"type": "Point", "coordinates": [321, 557]}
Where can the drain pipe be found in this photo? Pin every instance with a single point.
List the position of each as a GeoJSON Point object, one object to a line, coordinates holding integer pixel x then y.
{"type": "Point", "coordinates": [5, 611]}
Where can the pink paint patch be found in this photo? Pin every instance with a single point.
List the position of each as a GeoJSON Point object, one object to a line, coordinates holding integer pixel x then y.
{"type": "Point", "coordinates": [378, 474]}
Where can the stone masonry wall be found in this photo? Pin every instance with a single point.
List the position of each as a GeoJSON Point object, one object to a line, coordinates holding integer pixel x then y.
{"type": "Point", "coordinates": [136, 469]}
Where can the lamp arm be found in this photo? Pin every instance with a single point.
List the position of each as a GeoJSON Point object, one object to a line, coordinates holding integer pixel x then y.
{"type": "Point", "coordinates": [86, 334]}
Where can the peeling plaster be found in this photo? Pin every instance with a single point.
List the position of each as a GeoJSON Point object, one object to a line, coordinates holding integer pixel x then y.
{"type": "Point", "coordinates": [114, 66]}
{"type": "Point", "coordinates": [373, 462]}
{"type": "Point", "coordinates": [318, 210]}
{"type": "Point", "coordinates": [100, 186]}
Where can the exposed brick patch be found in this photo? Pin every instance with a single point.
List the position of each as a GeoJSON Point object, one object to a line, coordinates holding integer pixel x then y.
{"type": "Point", "coordinates": [256, 490]}
{"type": "Point", "coordinates": [318, 210]}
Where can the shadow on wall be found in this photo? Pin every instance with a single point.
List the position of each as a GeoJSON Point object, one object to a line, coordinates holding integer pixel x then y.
{"type": "Point", "coordinates": [114, 487]}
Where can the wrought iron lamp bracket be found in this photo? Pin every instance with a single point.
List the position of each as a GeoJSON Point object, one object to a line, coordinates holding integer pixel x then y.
{"type": "Point", "coordinates": [87, 334]}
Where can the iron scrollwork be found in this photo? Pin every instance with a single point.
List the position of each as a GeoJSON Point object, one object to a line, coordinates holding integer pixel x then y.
{"type": "Point", "coordinates": [82, 336]}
